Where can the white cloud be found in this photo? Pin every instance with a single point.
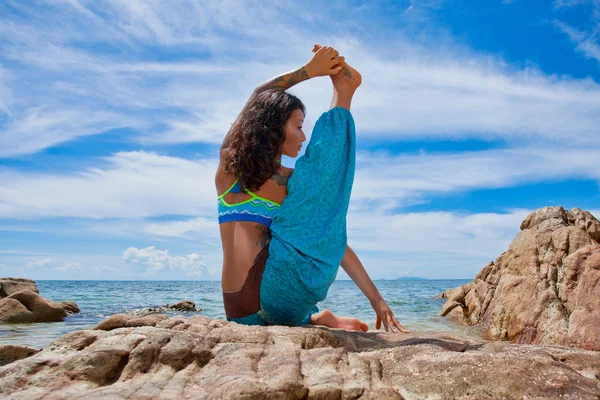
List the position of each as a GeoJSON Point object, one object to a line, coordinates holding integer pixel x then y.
{"type": "Point", "coordinates": [434, 88]}
{"type": "Point", "coordinates": [192, 265]}
{"type": "Point", "coordinates": [133, 184]}
{"type": "Point", "coordinates": [54, 265]}
{"type": "Point", "coordinates": [400, 180]}
{"type": "Point", "coordinates": [137, 185]}
{"type": "Point", "coordinates": [40, 127]}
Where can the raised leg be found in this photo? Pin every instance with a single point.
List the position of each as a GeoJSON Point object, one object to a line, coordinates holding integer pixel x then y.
{"type": "Point", "coordinates": [329, 319]}
{"type": "Point", "coordinates": [345, 84]}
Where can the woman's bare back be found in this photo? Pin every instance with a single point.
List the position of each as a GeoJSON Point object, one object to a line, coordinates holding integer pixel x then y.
{"type": "Point", "coordinates": [243, 240]}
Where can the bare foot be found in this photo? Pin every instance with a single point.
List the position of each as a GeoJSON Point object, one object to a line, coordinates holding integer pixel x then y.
{"type": "Point", "coordinates": [331, 320]}
{"type": "Point", "coordinates": [348, 76]}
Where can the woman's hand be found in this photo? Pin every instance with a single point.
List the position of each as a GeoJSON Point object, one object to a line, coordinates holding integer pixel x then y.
{"type": "Point", "coordinates": [385, 315]}
{"type": "Point", "coordinates": [324, 62]}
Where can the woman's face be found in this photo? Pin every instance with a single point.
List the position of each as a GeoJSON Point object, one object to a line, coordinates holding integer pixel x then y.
{"type": "Point", "coordinates": [294, 135]}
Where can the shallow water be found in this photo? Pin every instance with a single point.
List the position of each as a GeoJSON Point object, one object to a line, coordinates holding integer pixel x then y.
{"type": "Point", "coordinates": [411, 301]}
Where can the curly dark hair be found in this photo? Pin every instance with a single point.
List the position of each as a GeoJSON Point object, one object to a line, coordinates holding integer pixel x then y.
{"type": "Point", "coordinates": [253, 150]}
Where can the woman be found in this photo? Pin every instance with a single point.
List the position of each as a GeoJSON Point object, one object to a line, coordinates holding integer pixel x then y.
{"type": "Point", "coordinates": [284, 234]}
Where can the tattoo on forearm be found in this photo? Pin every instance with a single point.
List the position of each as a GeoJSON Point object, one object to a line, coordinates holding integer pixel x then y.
{"type": "Point", "coordinates": [281, 180]}
{"type": "Point", "coordinates": [286, 81]}
{"type": "Point", "coordinates": [265, 236]}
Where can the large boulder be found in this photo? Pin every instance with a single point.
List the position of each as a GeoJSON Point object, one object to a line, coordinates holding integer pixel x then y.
{"type": "Point", "coordinates": [27, 306]}
{"type": "Point", "coordinates": [200, 358]}
{"type": "Point", "coordinates": [9, 286]}
{"type": "Point", "coordinates": [544, 290]}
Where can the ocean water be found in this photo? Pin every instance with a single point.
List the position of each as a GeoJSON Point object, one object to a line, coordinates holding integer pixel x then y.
{"type": "Point", "coordinates": [411, 301]}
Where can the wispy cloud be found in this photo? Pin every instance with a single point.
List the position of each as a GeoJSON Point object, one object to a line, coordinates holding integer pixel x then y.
{"type": "Point", "coordinates": [587, 41]}
{"type": "Point", "coordinates": [73, 90]}
{"type": "Point", "coordinates": [54, 265]}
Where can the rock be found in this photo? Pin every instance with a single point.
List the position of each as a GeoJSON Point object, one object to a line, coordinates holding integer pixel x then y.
{"type": "Point", "coordinates": [20, 302]}
{"type": "Point", "coordinates": [184, 305]}
{"type": "Point", "coordinates": [9, 286]}
{"type": "Point", "coordinates": [584, 220]}
{"type": "Point", "coordinates": [70, 307]}
{"type": "Point", "coordinates": [10, 353]}
{"type": "Point", "coordinates": [113, 322]}
{"type": "Point", "coordinates": [197, 357]}
{"type": "Point", "coordinates": [544, 290]}
{"type": "Point", "coordinates": [27, 306]}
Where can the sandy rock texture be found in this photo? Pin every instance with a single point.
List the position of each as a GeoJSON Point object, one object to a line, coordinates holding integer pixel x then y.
{"type": "Point", "coordinates": [544, 290]}
{"type": "Point", "coordinates": [199, 358]}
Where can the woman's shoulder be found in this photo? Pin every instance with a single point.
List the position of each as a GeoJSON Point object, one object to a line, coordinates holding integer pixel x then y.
{"type": "Point", "coordinates": [282, 175]}
{"type": "Point", "coordinates": [223, 181]}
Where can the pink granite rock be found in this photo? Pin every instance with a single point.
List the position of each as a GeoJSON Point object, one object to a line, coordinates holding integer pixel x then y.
{"type": "Point", "coordinates": [200, 358]}
{"type": "Point", "coordinates": [26, 306]}
{"type": "Point", "coordinates": [9, 286]}
{"type": "Point", "coordinates": [545, 289]}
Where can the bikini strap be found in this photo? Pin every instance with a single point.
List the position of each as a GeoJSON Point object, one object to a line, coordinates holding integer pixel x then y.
{"type": "Point", "coordinates": [236, 183]}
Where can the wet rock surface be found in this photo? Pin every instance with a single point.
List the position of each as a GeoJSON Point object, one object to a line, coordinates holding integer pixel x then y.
{"type": "Point", "coordinates": [196, 357]}
{"type": "Point", "coordinates": [183, 306]}
{"type": "Point", "coordinates": [544, 290]}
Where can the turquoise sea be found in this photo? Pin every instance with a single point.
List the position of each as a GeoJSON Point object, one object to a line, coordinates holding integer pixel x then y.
{"type": "Point", "coordinates": [411, 300]}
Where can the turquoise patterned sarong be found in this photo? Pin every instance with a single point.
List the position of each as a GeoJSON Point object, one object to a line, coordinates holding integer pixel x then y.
{"type": "Point", "coordinates": [309, 230]}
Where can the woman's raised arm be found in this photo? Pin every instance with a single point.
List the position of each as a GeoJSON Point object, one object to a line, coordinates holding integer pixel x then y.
{"type": "Point", "coordinates": [324, 62]}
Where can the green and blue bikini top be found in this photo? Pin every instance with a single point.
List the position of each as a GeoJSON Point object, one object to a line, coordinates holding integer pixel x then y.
{"type": "Point", "coordinates": [255, 209]}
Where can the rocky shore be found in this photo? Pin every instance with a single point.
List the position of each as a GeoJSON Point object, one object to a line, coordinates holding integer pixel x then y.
{"type": "Point", "coordinates": [156, 357]}
{"type": "Point", "coordinates": [545, 289]}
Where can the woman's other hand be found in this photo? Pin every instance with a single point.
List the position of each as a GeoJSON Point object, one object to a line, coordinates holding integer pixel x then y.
{"type": "Point", "coordinates": [385, 315]}
{"type": "Point", "coordinates": [324, 62]}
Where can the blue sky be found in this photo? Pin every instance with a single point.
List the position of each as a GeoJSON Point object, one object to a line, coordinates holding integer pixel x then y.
{"type": "Point", "coordinates": [471, 115]}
